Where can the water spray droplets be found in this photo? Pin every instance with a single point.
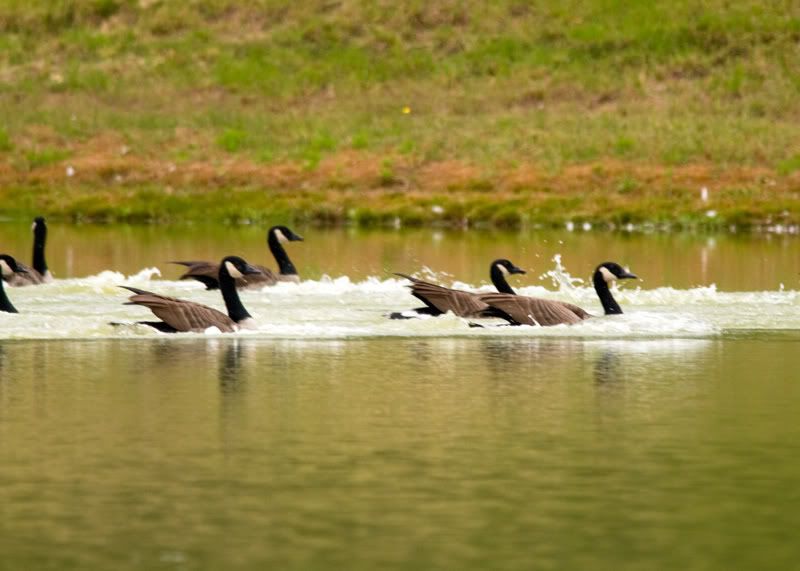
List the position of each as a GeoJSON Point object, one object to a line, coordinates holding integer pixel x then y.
{"type": "Point", "coordinates": [560, 277]}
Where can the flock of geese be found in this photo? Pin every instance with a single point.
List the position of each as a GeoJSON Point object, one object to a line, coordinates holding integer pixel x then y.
{"type": "Point", "coordinates": [233, 273]}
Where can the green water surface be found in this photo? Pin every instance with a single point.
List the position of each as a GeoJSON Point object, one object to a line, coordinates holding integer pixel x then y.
{"type": "Point", "coordinates": [405, 453]}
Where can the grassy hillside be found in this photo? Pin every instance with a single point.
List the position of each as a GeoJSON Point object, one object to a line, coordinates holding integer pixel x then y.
{"type": "Point", "coordinates": [511, 113]}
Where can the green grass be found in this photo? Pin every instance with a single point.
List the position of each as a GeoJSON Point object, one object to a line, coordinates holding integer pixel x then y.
{"type": "Point", "coordinates": [5, 141]}
{"type": "Point", "coordinates": [45, 157]}
{"type": "Point", "coordinates": [232, 140]}
{"type": "Point", "coordinates": [493, 85]}
{"type": "Point", "coordinates": [790, 165]}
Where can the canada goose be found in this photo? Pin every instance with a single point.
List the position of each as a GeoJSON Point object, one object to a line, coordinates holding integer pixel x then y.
{"type": "Point", "coordinates": [181, 315]}
{"type": "Point", "coordinates": [38, 274]}
{"type": "Point", "coordinates": [439, 300]}
{"type": "Point", "coordinates": [522, 310]}
{"type": "Point", "coordinates": [8, 266]}
{"type": "Point", "coordinates": [206, 272]}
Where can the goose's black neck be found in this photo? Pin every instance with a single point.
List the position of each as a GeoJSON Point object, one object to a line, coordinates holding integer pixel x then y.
{"type": "Point", "coordinates": [499, 280]}
{"type": "Point", "coordinates": [5, 303]}
{"type": "Point", "coordinates": [285, 265]}
{"type": "Point", "coordinates": [227, 285]}
{"type": "Point", "coordinates": [39, 239]}
{"type": "Point", "coordinates": [610, 305]}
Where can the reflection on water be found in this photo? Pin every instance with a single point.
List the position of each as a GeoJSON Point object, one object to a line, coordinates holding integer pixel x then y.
{"type": "Point", "coordinates": [479, 453]}
{"type": "Point", "coordinates": [606, 368]}
{"type": "Point", "coordinates": [230, 367]}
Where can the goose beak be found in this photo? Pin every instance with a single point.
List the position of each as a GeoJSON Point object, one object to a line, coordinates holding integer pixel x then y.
{"type": "Point", "coordinates": [296, 238]}
{"type": "Point", "coordinates": [248, 269]}
{"type": "Point", "coordinates": [516, 270]}
{"type": "Point", "coordinates": [628, 276]}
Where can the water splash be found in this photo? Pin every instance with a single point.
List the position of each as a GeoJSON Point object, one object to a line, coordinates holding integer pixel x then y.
{"type": "Point", "coordinates": [560, 277]}
{"type": "Point", "coordinates": [342, 308]}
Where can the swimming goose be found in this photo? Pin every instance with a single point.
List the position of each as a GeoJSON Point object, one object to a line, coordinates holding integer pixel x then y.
{"type": "Point", "coordinates": [439, 300]}
{"type": "Point", "coordinates": [38, 274]}
{"type": "Point", "coordinates": [206, 272]}
{"type": "Point", "coordinates": [523, 310]}
{"type": "Point", "coordinates": [8, 267]}
{"type": "Point", "coordinates": [181, 315]}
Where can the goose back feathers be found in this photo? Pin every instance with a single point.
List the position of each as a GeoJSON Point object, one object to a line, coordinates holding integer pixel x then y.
{"type": "Point", "coordinates": [179, 314]}
{"type": "Point", "coordinates": [439, 300]}
{"type": "Point", "coordinates": [523, 310]}
{"type": "Point", "coordinates": [207, 272]}
{"type": "Point", "coordinates": [182, 315]}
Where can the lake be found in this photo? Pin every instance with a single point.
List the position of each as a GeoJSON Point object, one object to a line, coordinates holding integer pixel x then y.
{"type": "Point", "coordinates": [333, 438]}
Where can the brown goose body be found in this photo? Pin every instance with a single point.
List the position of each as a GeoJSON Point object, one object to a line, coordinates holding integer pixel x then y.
{"type": "Point", "coordinates": [207, 272]}
{"type": "Point", "coordinates": [178, 315]}
{"type": "Point", "coordinates": [442, 299]}
{"type": "Point", "coordinates": [27, 276]}
{"type": "Point", "coordinates": [523, 310]}
{"type": "Point", "coordinates": [439, 300]}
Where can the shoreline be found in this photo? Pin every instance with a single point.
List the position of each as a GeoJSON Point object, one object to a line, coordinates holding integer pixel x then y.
{"type": "Point", "coordinates": [360, 189]}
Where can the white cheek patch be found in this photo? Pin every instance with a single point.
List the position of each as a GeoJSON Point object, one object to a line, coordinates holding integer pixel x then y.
{"type": "Point", "coordinates": [236, 274]}
{"type": "Point", "coordinates": [607, 275]}
{"type": "Point", "coordinates": [5, 269]}
{"type": "Point", "coordinates": [33, 227]}
{"type": "Point", "coordinates": [281, 237]}
{"type": "Point", "coordinates": [502, 269]}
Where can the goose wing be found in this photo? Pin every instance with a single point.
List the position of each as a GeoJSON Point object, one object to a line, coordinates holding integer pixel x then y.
{"type": "Point", "coordinates": [180, 314]}
{"type": "Point", "coordinates": [524, 310]}
{"type": "Point", "coordinates": [25, 277]}
{"type": "Point", "coordinates": [579, 311]}
{"type": "Point", "coordinates": [442, 299]}
{"type": "Point", "coordinates": [205, 272]}
{"type": "Point", "coordinates": [208, 274]}
{"type": "Point", "coordinates": [266, 278]}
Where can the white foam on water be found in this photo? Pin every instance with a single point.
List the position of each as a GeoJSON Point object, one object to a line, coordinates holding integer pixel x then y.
{"type": "Point", "coordinates": [342, 308]}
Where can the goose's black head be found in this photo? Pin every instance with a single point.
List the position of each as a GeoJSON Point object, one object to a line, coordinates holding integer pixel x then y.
{"type": "Point", "coordinates": [237, 267]}
{"type": "Point", "coordinates": [506, 267]}
{"type": "Point", "coordinates": [39, 226]}
{"type": "Point", "coordinates": [499, 270]}
{"type": "Point", "coordinates": [284, 234]}
{"type": "Point", "coordinates": [611, 271]}
{"type": "Point", "coordinates": [8, 265]}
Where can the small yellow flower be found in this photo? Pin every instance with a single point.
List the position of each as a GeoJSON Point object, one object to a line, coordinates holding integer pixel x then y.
{"type": "Point", "coordinates": [406, 110]}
